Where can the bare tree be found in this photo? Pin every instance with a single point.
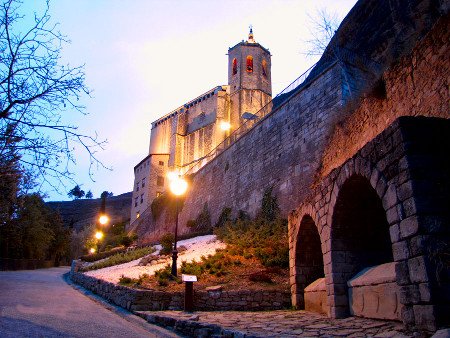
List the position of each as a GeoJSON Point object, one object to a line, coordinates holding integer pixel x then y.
{"type": "Point", "coordinates": [323, 25]}
{"type": "Point", "coordinates": [36, 92]}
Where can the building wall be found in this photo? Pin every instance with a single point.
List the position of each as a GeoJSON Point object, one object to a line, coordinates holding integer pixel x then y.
{"type": "Point", "coordinates": [139, 200]}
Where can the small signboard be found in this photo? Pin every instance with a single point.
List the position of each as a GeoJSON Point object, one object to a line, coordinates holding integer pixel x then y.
{"type": "Point", "coordinates": [188, 278]}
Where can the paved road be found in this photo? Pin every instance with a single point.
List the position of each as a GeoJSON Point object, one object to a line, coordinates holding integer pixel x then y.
{"type": "Point", "coordinates": [39, 303]}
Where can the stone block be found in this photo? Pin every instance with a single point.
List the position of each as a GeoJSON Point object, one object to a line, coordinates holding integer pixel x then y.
{"type": "Point", "coordinates": [418, 269]}
{"type": "Point", "coordinates": [316, 297]}
{"type": "Point", "coordinates": [373, 293]}
{"type": "Point", "coordinates": [425, 317]}
{"type": "Point", "coordinates": [390, 197]}
{"type": "Point", "coordinates": [409, 294]}
{"type": "Point", "coordinates": [425, 292]}
{"type": "Point", "coordinates": [394, 232]}
{"type": "Point", "coordinates": [418, 245]}
{"type": "Point", "coordinates": [400, 250]}
{"type": "Point", "coordinates": [409, 226]}
{"type": "Point", "coordinates": [405, 190]}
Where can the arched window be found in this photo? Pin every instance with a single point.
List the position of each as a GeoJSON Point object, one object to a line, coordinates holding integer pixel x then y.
{"type": "Point", "coordinates": [234, 66]}
{"type": "Point", "coordinates": [264, 68]}
{"type": "Point", "coordinates": [250, 64]}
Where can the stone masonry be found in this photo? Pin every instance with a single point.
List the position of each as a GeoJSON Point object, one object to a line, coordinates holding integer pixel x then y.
{"type": "Point", "coordinates": [213, 300]}
{"type": "Point", "coordinates": [405, 220]}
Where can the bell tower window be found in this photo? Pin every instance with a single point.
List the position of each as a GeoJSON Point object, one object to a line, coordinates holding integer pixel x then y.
{"type": "Point", "coordinates": [234, 66]}
{"type": "Point", "coordinates": [250, 64]}
{"type": "Point", "coordinates": [264, 68]}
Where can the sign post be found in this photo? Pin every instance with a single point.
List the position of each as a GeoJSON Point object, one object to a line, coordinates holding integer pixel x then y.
{"type": "Point", "coordinates": [189, 292]}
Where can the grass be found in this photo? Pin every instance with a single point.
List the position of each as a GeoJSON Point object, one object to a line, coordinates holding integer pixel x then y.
{"type": "Point", "coordinates": [121, 258]}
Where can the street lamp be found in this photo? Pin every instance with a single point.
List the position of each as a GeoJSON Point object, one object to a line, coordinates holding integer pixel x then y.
{"type": "Point", "coordinates": [99, 235]}
{"type": "Point", "coordinates": [103, 219]}
{"type": "Point", "coordinates": [178, 187]}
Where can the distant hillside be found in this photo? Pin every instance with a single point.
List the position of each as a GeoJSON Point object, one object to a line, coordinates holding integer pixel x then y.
{"type": "Point", "coordinates": [82, 212]}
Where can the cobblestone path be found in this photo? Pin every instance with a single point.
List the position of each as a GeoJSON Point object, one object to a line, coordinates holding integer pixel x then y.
{"type": "Point", "coordinates": [272, 324]}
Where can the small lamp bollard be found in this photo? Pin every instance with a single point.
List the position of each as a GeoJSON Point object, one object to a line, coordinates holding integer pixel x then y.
{"type": "Point", "coordinates": [189, 292]}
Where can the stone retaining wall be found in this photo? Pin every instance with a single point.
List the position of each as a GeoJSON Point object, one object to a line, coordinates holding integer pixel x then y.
{"type": "Point", "coordinates": [152, 300]}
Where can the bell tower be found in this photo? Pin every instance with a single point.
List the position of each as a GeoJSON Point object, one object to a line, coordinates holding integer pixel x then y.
{"type": "Point", "coordinates": [249, 79]}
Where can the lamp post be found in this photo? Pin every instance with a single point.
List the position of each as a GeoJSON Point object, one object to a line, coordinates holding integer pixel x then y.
{"type": "Point", "coordinates": [178, 187]}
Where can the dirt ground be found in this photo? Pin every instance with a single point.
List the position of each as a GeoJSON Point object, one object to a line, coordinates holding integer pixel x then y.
{"type": "Point", "coordinates": [235, 278]}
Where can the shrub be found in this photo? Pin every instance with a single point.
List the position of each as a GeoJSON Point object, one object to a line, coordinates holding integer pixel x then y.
{"type": "Point", "coordinates": [265, 237]}
{"type": "Point", "coordinates": [125, 280]}
{"type": "Point", "coordinates": [192, 268]}
{"type": "Point", "coordinates": [102, 255]}
{"type": "Point", "coordinates": [224, 217]}
{"type": "Point", "coordinates": [164, 275]}
{"type": "Point", "coordinates": [166, 242]}
{"type": "Point", "coordinates": [121, 258]}
{"type": "Point", "coordinates": [203, 221]}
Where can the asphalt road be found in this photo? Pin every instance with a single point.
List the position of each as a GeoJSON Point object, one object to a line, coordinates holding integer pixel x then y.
{"type": "Point", "coordinates": [39, 303]}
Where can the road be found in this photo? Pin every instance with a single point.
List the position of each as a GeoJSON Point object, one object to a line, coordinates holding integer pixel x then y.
{"type": "Point", "coordinates": [39, 303]}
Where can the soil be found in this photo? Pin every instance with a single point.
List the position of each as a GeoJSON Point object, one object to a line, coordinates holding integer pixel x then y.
{"type": "Point", "coordinates": [235, 278]}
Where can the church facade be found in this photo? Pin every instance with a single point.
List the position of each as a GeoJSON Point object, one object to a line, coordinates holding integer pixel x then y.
{"type": "Point", "coordinates": [183, 140]}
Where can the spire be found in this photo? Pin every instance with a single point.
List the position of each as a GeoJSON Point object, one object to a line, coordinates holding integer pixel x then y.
{"type": "Point", "coordinates": [250, 35]}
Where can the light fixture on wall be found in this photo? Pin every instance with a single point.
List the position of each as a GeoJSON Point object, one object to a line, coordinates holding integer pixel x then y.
{"type": "Point", "coordinates": [225, 126]}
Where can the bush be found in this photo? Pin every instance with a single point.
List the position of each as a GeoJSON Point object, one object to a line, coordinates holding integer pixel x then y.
{"type": "Point", "coordinates": [164, 275]}
{"type": "Point", "coordinates": [224, 217]}
{"type": "Point", "coordinates": [192, 268]}
{"type": "Point", "coordinates": [125, 280]}
{"type": "Point", "coordinates": [102, 255]}
{"type": "Point", "coordinates": [128, 281]}
{"type": "Point", "coordinates": [166, 242]}
{"type": "Point", "coordinates": [265, 237]}
{"type": "Point", "coordinates": [203, 221]}
{"type": "Point", "coordinates": [121, 258]}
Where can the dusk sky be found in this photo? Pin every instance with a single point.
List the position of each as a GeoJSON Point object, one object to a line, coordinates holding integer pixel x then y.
{"type": "Point", "coordinates": [144, 58]}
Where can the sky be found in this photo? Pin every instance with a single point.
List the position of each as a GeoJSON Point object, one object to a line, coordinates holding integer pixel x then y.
{"type": "Point", "coordinates": [144, 58]}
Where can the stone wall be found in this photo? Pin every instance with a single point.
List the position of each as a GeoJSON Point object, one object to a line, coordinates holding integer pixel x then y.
{"type": "Point", "coordinates": [413, 86]}
{"type": "Point", "coordinates": [388, 203]}
{"type": "Point", "coordinates": [152, 300]}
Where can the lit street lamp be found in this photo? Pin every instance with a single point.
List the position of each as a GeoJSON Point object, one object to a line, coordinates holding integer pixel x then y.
{"type": "Point", "coordinates": [178, 187]}
{"type": "Point", "coordinates": [103, 219]}
{"type": "Point", "coordinates": [99, 235]}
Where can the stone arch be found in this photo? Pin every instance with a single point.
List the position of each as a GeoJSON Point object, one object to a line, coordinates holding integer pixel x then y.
{"type": "Point", "coordinates": [307, 256]}
{"type": "Point", "coordinates": [359, 230]}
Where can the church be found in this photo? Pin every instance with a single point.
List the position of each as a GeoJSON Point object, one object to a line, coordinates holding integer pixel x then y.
{"type": "Point", "coordinates": [184, 140]}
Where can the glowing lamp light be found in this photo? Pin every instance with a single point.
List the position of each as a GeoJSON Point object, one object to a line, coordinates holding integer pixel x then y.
{"type": "Point", "coordinates": [103, 219]}
{"type": "Point", "coordinates": [178, 186]}
{"type": "Point", "coordinates": [99, 235]}
{"type": "Point", "coordinates": [224, 125]}
{"type": "Point", "coordinates": [172, 175]}
{"type": "Point", "coordinates": [92, 250]}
